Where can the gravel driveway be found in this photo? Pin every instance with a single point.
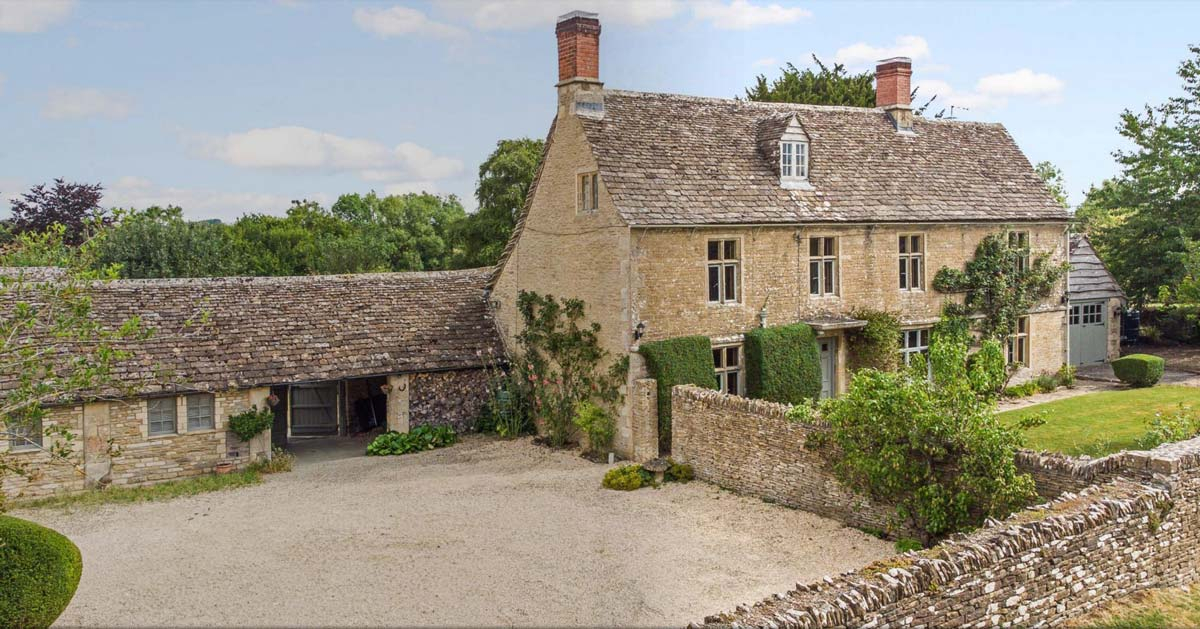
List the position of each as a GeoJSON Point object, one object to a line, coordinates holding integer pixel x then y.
{"type": "Point", "coordinates": [487, 532]}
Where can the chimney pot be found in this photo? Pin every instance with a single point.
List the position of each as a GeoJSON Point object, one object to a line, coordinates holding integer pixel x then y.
{"type": "Point", "coordinates": [578, 46]}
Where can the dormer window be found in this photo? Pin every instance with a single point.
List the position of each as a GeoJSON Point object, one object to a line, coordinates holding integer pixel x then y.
{"type": "Point", "coordinates": [793, 160]}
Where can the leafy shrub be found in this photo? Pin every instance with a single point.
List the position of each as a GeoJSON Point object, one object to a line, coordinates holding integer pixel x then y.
{"type": "Point", "coordinates": [598, 424]}
{"type": "Point", "coordinates": [1179, 323]}
{"type": "Point", "coordinates": [932, 448]}
{"type": "Point", "coordinates": [1066, 375]}
{"type": "Point", "coordinates": [627, 478]}
{"type": "Point", "coordinates": [804, 412]}
{"type": "Point", "coordinates": [905, 544]}
{"type": "Point", "coordinates": [249, 424]}
{"type": "Point", "coordinates": [39, 570]}
{"type": "Point", "coordinates": [1024, 389]}
{"type": "Point", "coordinates": [418, 439]}
{"type": "Point", "coordinates": [873, 346]}
{"type": "Point", "coordinates": [1046, 382]}
{"type": "Point", "coordinates": [988, 368]}
{"type": "Point", "coordinates": [678, 472]}
{"type": "Point", "coordinates": [1138, 370]}
{"type": "Point", "coordinates": [1181, 425]}
{"type": "Point", "coordinates": [672, 362]}
{"type": "Point", "coordinates": [783, 363]}
{"type": "Point", "coordinates": [281, 461]}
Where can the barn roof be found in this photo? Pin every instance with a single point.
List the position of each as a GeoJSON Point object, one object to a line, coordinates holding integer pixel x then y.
{"type": "Point", "coordinates": [219, 333]}
{"type": "Point", "coordinates": [1088, 277]}
{"type": "Point", "coordinates": [680, 160]}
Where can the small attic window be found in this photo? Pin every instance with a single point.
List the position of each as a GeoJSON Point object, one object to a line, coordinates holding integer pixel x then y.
{"type": "Point", "coordinates": [793, 160]}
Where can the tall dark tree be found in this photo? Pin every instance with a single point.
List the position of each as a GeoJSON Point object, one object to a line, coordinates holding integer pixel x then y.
{"type": "Point", "coordinates": [75, 206]}
{"type": "Point", "coordinates": [504, 181]}
{"type": "Point", "coordinates": [1144, 221]}
{"type": "Point", "coordinates": [825, 86]}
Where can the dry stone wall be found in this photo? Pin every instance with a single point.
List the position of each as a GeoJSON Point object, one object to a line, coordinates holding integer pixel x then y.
{"type": "Point", "coordinates": [1119, 524]}
{"type": "Point", "coordinates": [452, 398]}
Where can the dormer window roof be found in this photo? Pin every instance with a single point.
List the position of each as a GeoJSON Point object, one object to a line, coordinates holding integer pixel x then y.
{"type": "Point", "coordinates": [793, 157]}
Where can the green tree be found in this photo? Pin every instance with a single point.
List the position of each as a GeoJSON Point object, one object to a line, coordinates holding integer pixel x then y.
{"type": "Point", "coordinates": [1053, 178]}
{"type": "Point", "coordinates": [504, 181]}
{"type": "Point", "coordinates": [1143, 221]}
{"type": "Point", "coordinates": [415, 232]}
{"type": "Point", "coordinates": [159, 242]}
{"type": "Point", "coordinates": [825, 86]}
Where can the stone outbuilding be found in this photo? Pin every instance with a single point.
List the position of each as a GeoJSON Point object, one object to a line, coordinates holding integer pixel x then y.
{"type": "Point", "coordinates": [1096, 304]}
{"type": "Point", "coordinates": [331, 355]}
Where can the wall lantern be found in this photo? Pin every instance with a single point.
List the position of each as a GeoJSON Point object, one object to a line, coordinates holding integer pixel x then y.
{"type": "Point", "coordinates": [639, 331]}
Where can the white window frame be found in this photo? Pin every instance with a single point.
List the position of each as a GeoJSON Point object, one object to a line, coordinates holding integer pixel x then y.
{"type": "Point", "coordinates": [793, 160]}
{"type": "Point", "coordinates": [1018, 346]}
{"type": "Point", "coordinates": [728, 267]}
{"type": "Point", "coordinates": [911, 344]}
{"type": "Point", "coordinates": [173, 403]}
{"type": "Point", "coordinates": [725, 373]}
{"type": "Point", "coordinates": [587, 194]}
{"type": "Point", "coordinates": [912, 262]}
{"type": "Point", "coordinates": [1020, 238]}
{"type": "Point", "coordinates": [25, 438]}
{"type": "Point", "coordinates": [826, 266]}
{"type": "Point", "coordinates": [194, 412]}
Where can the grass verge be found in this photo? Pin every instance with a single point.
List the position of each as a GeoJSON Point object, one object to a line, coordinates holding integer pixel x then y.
{"type": "Point", "coordinates": [148, 493]}
{"type": "Point", "coordinates": [1152, 609]}
{"type": "Point", "coordinates": [1101, 423]}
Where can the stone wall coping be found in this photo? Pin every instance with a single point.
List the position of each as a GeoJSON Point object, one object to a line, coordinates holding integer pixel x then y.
{"type": "Point", "coordinates": [718, 400]}
{"type": "Point", "coordinates": [846, 599]}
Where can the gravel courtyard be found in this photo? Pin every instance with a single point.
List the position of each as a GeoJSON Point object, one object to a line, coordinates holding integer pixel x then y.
{"type": "Point", "coordinates": [487, 532]}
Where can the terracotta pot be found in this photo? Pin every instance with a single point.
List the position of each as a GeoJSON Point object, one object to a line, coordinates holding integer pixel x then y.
{"type": "Point", "coordinates": [223, 467]}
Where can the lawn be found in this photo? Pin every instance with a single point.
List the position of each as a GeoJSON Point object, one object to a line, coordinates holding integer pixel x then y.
{"type": "Point", "coordinates": [1152, 609]}
{"type": "Point", "coordinates": [148, 493]}
{"type": "Point", "coordinates": [1101, 423]}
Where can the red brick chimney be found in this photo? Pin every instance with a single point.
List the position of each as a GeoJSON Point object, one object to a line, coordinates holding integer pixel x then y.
{"type": "Point", "coordinates": [579, 88]}
{"type": "Point", "coordinates": [893, 90]}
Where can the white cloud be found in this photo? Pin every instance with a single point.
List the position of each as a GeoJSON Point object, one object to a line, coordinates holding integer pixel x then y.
{"type": "Point", "coordinates": [863, 54]}
{"type": "Point", "coordinates": [303, 149]}
{"type": "Point", "coordinates": [765, 62]}
{"type": "Point", "coordinates": [1022, 83]}
{"type": "Point", "coordinates": [509, 15]}
{"type": "Point", "coordinates": [68, 103]}
{"type": "Point", "coordinates": [399, 21]}
{"type": "Point", "coordinates": [744, 15]}
{"type": "Point", "coordinates": [197, 203]}
{"type": "Point", "coordinates": [33, 16]}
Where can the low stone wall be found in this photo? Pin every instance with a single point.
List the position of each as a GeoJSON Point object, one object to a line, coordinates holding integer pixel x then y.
{"type": "Point", "coordinates": [1056, 474]}
{"type": "Point", "coordinates": [451, 398]}
{"type": "Point", "coordinates": [749, 446]}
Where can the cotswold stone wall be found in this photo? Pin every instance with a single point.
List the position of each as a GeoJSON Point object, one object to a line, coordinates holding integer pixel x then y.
{"type": "Point", "coordinates": [749, 446]}
{"type": "Point", "coordinates": [452, 398]}
{"type": "Point", "coordinates": [1122, 523]}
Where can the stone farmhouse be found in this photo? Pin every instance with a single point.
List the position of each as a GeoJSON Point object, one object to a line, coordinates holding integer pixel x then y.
{"type": "Point", "coordinates": [677, 215]}
{"type": "Point", "coordinates": [333, 354]}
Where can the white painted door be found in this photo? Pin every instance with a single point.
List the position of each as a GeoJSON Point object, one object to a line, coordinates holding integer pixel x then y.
{"type": "Point", "coordinates": [1089, 332]}
{"type": "Point", "coordinates": [828, 367]}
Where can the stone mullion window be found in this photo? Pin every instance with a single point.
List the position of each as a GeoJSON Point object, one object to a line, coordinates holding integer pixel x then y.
{"type": "Point", "coordinates": [201, 411]}
{"type": "Point", "coordinates": [724, 262]}
{"type": "Point", "coordinates": [822, 266]}
{"type": "Point", "coordinates": [1018, 344]}
{"type": "Point", "coordinates": [913, 342]}
{"type": "Point", "coordinates": [727, 365]}
{"type": "Point", "coordinates": [1020, 240]}
{"type": "Point", "coordinates": [912, 262]}
{"type": "Point", "coordinates": [589, 192]}
{"type": "Point", "coordinates": [162, 416]}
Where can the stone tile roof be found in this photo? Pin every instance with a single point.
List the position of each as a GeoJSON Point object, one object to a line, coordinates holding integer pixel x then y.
{"type": "Point", "coordinates": [676, 160]}
{"type": "Point", "coordinates": [218, 333]}
{"type": "Point", "coordinates": [1088, 277]}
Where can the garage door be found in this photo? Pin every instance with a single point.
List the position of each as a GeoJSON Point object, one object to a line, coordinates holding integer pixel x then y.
{"type": "Point", "coordinates": [1089, 332]}
{"type": "Point", "coordinates": [314, 409]}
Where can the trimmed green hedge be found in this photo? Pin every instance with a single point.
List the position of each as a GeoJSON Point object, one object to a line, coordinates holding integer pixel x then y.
{"type": "Point", "coordinates": [783, 364]}
{"type": "Point", "coordinates": [1139, 370]}
{"type": "Point", "coordinates": [682, 360]}
{"type": "Point", "coordinates": [39, 570]}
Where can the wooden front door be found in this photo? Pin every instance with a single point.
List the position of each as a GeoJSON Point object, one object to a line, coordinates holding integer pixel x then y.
{"type": "Point", "coordinates": [314, 409]}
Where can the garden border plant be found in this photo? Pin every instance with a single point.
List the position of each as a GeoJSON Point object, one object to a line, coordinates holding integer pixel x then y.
{"type": "Point", "coordinates": [39, 570]}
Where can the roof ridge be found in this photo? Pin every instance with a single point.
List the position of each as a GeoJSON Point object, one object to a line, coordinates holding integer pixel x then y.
{"type": "Point", "coordinates": [286, 279]}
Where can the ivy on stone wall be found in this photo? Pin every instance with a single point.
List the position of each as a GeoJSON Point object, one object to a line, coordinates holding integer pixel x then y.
{"type": "Point", "coordinates": [1002, 283]}
{"type": "Point", "coordinates": [875, 345]}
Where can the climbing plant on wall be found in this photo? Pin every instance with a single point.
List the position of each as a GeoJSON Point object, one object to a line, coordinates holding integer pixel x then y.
{"type": "Point", "coordinates": [874, 346]}
{"type": "Point", "coordinates": [1001, 283]}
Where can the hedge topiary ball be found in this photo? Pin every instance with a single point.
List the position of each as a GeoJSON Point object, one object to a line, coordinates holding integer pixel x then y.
{"type": "Point", "coordinates": [1138, 370]}
{"type": "Point", "coordinates": [39, 570]}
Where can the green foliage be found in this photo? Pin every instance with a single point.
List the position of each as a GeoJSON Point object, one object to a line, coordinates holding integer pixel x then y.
{"type": "Point", "coordinates": [672, 362]}
{"type": "Point", "coordinates": [558, 364]}
{"type": "Point", "coordinates": [874, 345]}
{"type": "Point", "coordinates": [996, 287]}
{"type": "Point", "coordinates": [597, 423]}
{"type": "Point", "coordinates": [504, 182]}
{"type": "Point", "coordinates": [783, 363]}
{"type": "Point", "coordinates": [1177, 322]}
{"type": "Point", "coordinates": [1143, 221]}
{"type": "Point", "coordinates": [1180, 425]}
{"type": "Point", "coordinates": [1139, 370]}
{"type": "Point", "coordinates": [906, 544]}
{"type": "Point", "coordinates": [281, 461]}
{"type": "Point", "coordinates": [249, 424]}
{"type": "Point", "coordinates": [1024, 389]}
{"type": "Point", "coordinates": [627, 478]}
{"type": "Point", "coordinates": [1066, 375]}
{"type": "Point", "coordinates": [40, 570]}
{"type": "Point", "coordinates": [1052, 176]}
{"type": "Point", "coordinates": [149, 493]}
{"type": "Point", "coordinates": [158, 242]}
{"type": "Point", "coordinates": [418, 439]}
{"type": "Point", "coordinates": [503, 413]}
{"type": "Point", "coordinates": [803, 412]}
{"type": "Point", "coordinates": [988, 368]}
{"type": "Point", "coordinates": [1046, 382]}
{"type": "Point", "coordinates": [825, 86]}
{"type": "Point", "coordinates": [679, 472]}
{"type": "Point", "coordinates": [931, 447]}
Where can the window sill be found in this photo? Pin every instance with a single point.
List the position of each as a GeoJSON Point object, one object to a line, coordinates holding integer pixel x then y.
{"type": "Point", "coordinates": [723, 304]}
{"type": "Point", "coordinates": [826, 296]}
{"type": "Point", "coordinates": [19, 452]}
{"type": "Point", "coordinates": [796, 184]}
{"type": "Point", "coordinates": [905, 291]}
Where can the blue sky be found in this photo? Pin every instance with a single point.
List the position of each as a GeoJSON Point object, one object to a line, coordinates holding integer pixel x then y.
{"type": "Point", "coordinates": [227, 107]}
